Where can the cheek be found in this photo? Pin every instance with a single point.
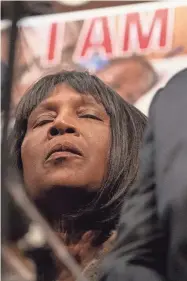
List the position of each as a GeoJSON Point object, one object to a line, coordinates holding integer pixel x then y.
{"type": "Point", "coordinates": [30, 151]}
{"type": "Point", "coordinates": [24, 151]}
{"type": "Point", "coordinates": [26, 156]}
{"type": "Point", "coordinates": [101, 141]}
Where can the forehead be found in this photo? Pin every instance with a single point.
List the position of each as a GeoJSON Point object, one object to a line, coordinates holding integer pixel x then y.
{"type": "Point", "coordinates": [63, 93]}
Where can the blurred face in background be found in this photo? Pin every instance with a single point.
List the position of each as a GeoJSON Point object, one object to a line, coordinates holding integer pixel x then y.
{"type": "Point", "coordinates": [130, 78]}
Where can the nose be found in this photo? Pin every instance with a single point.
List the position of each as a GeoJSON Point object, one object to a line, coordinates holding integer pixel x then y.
{"type": "Point", "coordinates": [60, 127]}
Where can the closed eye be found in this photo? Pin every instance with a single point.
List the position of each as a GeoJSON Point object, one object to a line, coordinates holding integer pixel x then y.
{"type": "Point", "coordinates": [42, 122]}
{"type": "Point", "coordinates": [91, 117]}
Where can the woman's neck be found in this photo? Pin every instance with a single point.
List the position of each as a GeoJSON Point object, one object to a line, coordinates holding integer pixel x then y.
{"type": "Point", "coordinates": [64, 201]}
{"type": "Point", "coordinates": [83, 232]}
{"type": "Point", "coordinates": [65, 209]}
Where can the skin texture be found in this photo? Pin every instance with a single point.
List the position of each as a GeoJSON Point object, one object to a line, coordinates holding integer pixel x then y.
{"type": "Point", "coordinates": [66, 111]}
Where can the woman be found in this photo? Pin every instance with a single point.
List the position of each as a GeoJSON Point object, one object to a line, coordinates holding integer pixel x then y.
{"type": "Point", "coordinates": [77, 144]}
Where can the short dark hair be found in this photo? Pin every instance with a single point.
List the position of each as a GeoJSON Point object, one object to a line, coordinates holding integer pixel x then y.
{"type": "Point", "coordinates": [127, 127]}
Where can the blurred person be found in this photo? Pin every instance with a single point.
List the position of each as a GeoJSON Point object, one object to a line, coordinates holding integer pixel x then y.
{"type": "Point", "coordinates": [76, 144]}
{"type": "Point", "coordinates": [131, 77]}
{"type": "Point", "coordinates": [154, 217]}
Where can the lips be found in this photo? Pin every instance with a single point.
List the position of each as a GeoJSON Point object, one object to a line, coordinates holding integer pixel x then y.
{"type": "Point", "coordinates": [64, 149]}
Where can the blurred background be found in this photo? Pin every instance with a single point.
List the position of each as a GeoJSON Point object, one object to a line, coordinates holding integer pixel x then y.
{"type": "Point", "coordinates": [134, 46]}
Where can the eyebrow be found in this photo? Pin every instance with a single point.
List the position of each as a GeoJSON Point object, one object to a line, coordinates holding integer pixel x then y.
{"type": "Point", "coordinates": [47, 105]}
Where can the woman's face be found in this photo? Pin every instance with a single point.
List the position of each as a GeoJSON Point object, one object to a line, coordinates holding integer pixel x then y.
{"type": "Point", "coordinates": [67, 142]}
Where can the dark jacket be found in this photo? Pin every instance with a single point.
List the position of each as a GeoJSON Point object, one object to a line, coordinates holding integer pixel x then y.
{"type": "Point", "coordinates": [152, 233]}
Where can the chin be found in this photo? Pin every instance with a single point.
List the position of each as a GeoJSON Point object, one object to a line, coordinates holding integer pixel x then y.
{"type": "Point", "coordinates": [64, 176]}
{"type": "Point", "coordinates": [67, 181]}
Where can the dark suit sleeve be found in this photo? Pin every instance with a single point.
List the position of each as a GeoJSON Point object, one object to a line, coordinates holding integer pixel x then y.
{"type": "Point", "coordinates": [138, 254]}
{"type": "Point", "coordinates": [170, 127]}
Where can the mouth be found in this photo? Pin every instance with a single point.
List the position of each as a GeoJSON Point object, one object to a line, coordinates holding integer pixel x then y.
{"type": "Point", "coordinates": [62, 151]}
